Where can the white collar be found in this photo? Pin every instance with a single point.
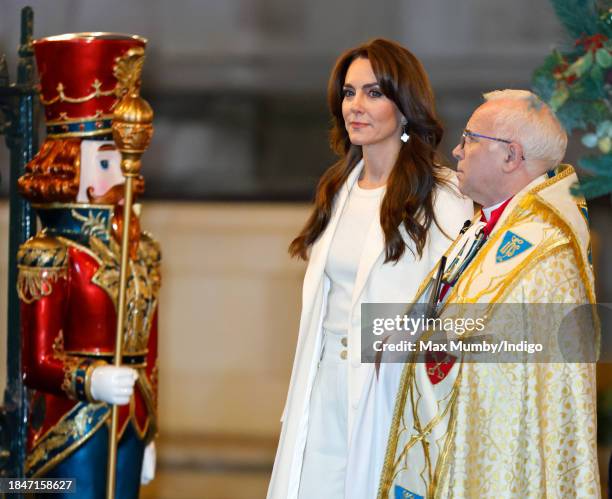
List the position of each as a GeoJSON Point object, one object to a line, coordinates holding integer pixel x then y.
{"type": "Point", "coordinates": [487, 211]}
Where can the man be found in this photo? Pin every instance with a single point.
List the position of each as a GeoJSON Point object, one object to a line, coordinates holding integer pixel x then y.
{"type": "Point", "coordinates": [504, 429]}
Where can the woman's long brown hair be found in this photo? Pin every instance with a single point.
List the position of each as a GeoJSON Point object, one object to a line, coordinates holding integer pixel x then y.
{"type": "Point", "coordinates": [410, 188]}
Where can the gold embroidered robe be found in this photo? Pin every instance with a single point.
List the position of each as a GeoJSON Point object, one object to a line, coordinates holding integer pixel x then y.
{"type": "Point", "coordinates": [507, 429]}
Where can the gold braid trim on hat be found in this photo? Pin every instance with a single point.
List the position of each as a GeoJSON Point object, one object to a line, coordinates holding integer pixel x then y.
{"type": "Point", "coordinates": [62, 97]}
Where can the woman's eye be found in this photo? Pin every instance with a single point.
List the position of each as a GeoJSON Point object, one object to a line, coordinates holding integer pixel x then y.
{"type": "Point", "coordinates": [376, 93]}
{"type": "Point", "coordinates": [104, 164]}
{"type": "Point", "coordinates": [348, 92]}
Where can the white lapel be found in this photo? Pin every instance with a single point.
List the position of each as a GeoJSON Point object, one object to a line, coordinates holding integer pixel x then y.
{"type": "Point", "coordinates": [320, 249]}
{"type": "Point", "coordinates": [373, 247]}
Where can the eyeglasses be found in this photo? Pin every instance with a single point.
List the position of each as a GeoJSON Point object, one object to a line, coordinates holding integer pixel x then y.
{"type": "Point", "coordinates": [467, 133]}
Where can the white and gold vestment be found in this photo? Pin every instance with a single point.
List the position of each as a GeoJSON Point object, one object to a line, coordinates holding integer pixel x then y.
{"type": "Point", "coordinates": [515, 429]}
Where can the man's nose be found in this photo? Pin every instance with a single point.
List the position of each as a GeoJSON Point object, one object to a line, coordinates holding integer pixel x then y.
{"type": "Point", "coordinates": [458, 152]}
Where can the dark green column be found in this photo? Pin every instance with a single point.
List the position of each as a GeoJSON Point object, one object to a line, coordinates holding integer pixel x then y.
{"type": "Point", "coordinates": [17, 107]}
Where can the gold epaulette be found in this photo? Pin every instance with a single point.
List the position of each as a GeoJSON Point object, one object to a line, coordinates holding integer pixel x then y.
{"type": "Point", "coordinates": [41, 260]}
{"type": "Point", "coordinates": [151, 253]}
{"type": "Point", "coordinates": [152, 248]}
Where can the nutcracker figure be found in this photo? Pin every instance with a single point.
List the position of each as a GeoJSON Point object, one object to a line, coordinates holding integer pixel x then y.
{"type": "Point", "coordinates": [69, 277]}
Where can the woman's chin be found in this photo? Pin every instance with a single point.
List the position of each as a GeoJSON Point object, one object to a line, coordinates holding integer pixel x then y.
{"type": "Point", "coordinates": [358, 140]}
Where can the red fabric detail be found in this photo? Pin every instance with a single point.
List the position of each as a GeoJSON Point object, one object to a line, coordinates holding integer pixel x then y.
{"type": "Point", "coordinates": [77, 63]}
{"type": "Point", "coordinates": [495, 214]}
{"type": "Point", "coordinates": [91, 319]}
{"type": "Point", "coordinates": [438, 365]}
{"type": "Point", "coordinates": [443, 291]}
{"type": "Point", "coordinates": [41, 322]}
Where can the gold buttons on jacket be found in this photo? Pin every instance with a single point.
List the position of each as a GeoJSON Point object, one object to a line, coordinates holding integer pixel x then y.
{"type": "Point", "coordinates": [344, 341]}
{"type": "Point", "coordinates": [343, 355]}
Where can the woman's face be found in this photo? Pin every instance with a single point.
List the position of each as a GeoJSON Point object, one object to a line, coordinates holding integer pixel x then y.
{"type": "Point", "coordinates": [369, 116]}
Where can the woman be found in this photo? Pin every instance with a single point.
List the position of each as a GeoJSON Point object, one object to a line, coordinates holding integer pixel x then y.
{"type": "Point", "coordinates": [383, 215]}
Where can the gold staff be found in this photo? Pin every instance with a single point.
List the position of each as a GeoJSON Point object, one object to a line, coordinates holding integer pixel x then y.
{"type": "Point", "coordinates": [132, 131]}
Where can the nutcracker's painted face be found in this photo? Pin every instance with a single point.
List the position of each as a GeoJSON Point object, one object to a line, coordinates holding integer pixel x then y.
{"type": "Point", "coordinates": [100, 170]}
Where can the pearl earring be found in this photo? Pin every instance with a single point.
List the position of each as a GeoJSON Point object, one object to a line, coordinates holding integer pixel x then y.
{"type": "Point", "coordinates": [404, 138]}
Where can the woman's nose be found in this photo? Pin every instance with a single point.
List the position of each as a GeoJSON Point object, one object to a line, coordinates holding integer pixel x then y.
{"type": "Point", "coordinates": [357, 102]}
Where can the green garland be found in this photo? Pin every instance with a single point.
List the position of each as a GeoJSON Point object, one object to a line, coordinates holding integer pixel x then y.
{"type": "Point", "coordinates": [577, 84]}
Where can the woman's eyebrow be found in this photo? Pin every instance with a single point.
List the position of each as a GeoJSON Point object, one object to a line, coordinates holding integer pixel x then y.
{"type": "Point", "coordinates": [366, 86]}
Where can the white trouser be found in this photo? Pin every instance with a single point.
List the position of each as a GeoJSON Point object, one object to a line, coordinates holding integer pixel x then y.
{"type": "Point", "coordinates": [325, 455]}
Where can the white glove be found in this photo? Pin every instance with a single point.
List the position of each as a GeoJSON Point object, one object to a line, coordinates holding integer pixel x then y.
{"type": "Point", "coordinates": [112, 384]}
{"type": "Point", "coordinates": [148, 464]}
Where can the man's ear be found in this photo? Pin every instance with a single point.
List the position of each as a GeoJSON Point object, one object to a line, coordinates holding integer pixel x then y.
{"type": "Point", "coordinates": [514, 158]}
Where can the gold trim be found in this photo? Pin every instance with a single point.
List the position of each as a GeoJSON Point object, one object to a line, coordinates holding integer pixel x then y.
{"type": "Point", "coordinates": [84, 353]}
{"type": "Point", "coordinates": [131, 418]}
{"type": "Point", "coordinates": [566, 171]}
{"type": "Point", "coordinates": [80, 247]}
{"type": "Point", "coordinates": [441, 464]}
{"type": "Point", "coordinates": [65, 120]}
{"type": "Point", "coordinates": [543, 255]}
{"type": "Point", "coordinates": [91, 35]}
{"type": "Point", "coordinates": [62, 97]}
{"type": "Point", "coordinates": [146, 390]}
{"type": "Point", "coordinates": [391, 462]}
{"type": "Point", "coordinates": [92, 226]}
{"type": "Point", "coordinates": [42, 262]}
{"type": "Point", "coordinates": [62, 455]}
{"type": "Point", "coordinates": [566, 226]}
{"type": "Point", "coordinates": [62, 426]}
{"type": "Point", "coordinates": [64, 135]}
{"type": "Point", "coordinates": [67, 366]}
{"type": "Point", "coordinates": [505, 280]}
{"type": "Point", "coordinates": [70, 366]}
{"type": "Point", "coordinates": [386, 476]}
{"type": "Point", "coordinates": [104, 419]}
{"type": "Point", "coordinates": [32, 285]}
{"type": "Point", "coordinates": [62, 206]}
{"type": "Point", "coordinates": [88, 374]}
